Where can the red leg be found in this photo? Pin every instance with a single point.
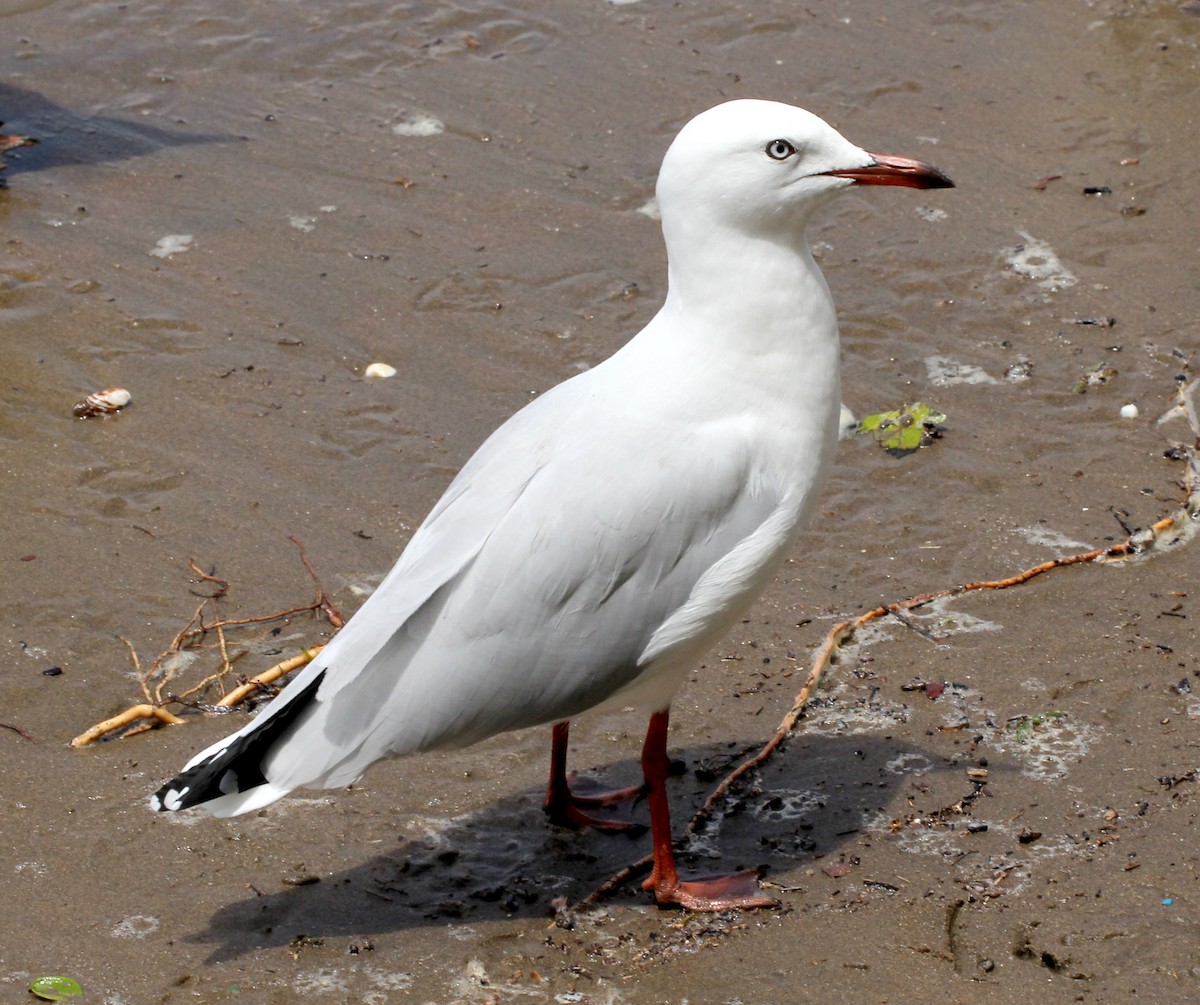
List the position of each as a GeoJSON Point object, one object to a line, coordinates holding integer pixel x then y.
{"type": "Point", "coordinates": [703, 893]}
{"type": "Point", "coordinates": [568, 800]}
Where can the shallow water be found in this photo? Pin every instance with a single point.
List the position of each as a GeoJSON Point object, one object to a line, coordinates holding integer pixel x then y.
{"type": "Point", "coordinates": [487, 261]}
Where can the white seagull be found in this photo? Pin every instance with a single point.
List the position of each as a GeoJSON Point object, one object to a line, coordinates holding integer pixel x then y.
{"type": "Point", "coordinates": [608, 534]}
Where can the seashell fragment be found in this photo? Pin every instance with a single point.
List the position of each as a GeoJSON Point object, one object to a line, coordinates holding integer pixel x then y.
{"type": "Point", "coordinates": [379, 371]}
{"type": "Point", "coordinates": [104, 402]}
{"type": "Point", "coordinates": [172, 244]}
{"type": "Point", "coordinates": [418, 125]}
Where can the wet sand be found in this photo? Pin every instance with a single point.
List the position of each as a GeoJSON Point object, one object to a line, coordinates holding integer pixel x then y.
{"type": "Point", "coordinates": [486, 263]}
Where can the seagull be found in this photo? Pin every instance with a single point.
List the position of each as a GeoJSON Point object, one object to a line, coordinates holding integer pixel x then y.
{"type": "Point", "coordinates": [605, 537]}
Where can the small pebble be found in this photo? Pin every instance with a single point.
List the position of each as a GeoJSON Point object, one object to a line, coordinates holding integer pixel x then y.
{"type": "Point", "coordinates": [379, 371]}
{"type": "Point", "coordinates": [1129, 411]}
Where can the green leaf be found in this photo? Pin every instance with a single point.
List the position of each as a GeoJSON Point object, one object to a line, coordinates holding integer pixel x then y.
{"type": "Point", "coordinates": [908, 427]}
{"type": "Point", "coordinates": [56, 989]}
{"type": "Point", "coordinates": [1024, 726]}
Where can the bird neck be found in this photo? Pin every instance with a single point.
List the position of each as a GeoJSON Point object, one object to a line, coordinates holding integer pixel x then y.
{"type": "Point", "coordinates": [756, 295]}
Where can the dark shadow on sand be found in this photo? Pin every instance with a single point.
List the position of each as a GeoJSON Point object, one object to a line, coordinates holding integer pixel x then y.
{"type": "Point", "coordinates": [67, 137]}
{"type": "Point", "coordinates": [507, 860]}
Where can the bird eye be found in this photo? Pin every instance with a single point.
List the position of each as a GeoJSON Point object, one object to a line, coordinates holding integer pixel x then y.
{"type": "Point", "coordinates": [780, 150]}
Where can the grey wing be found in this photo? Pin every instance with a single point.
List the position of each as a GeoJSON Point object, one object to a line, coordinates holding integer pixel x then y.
{"type": "Point", "coordinates": [567, 580]}
{"type": "Point", "coordinates": [445, 543]}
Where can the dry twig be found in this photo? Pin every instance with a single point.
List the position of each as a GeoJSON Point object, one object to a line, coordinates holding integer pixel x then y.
{"type": "Point", "coordinates": [205, 620]}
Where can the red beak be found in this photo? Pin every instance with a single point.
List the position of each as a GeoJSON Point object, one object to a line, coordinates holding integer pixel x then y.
{"type": "Point", "coordinates": [889, 169]}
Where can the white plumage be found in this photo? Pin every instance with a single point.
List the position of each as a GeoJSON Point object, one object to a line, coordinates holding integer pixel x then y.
{"type": "Point", "coordinates": [607, 535]}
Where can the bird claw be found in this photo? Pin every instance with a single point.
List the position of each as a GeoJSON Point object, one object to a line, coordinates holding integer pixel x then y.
{"type": "Point", "coordinates": [711, 893]}
{"type": "Point", "coordinates": [572, 808]}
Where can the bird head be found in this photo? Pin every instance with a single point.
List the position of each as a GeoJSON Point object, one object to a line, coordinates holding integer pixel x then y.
{"type": "Point", "coordinates": [763, 165]}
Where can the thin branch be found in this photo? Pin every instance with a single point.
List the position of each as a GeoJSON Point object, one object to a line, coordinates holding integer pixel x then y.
{"type": "Point", "coordinates": [208, 577]}
{"type": "Point", "coordinates": [323, 602]}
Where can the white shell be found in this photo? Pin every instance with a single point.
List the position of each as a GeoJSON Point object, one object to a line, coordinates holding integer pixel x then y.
{"type": "Point", "coordinates": [378, 371]}
{"type": "Point", "coordinates": [104, 402]}
{"type": "Point", "coordinates": [1129, 411]}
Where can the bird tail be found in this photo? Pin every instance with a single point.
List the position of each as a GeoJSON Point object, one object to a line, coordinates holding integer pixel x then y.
{"type": "Point", "coordinates": [228, 778]}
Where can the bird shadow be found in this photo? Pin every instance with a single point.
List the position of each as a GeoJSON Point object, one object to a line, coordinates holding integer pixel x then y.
{"type": "Point", "coordinates": [68, 137]}
{"type": "Point", "coordinates": [506, 860]}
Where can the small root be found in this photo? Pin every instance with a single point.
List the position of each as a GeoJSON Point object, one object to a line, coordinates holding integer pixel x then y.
{"type": "Point", "coordinates": [207, 620]}
{"type": "Point", "coordinates": [126, 718]}
{"type": "Point", "coordinates": [255, 684]}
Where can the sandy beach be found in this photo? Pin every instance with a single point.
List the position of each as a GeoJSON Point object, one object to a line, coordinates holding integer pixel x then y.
{"type": "Point", "coordinates": [234, 209]}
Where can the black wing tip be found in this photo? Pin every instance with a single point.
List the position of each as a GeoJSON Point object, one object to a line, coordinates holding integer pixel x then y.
{"type": "Point", "coordinates": [237, 766]}
{"type": "Point", "coordinates": [190, 788]}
